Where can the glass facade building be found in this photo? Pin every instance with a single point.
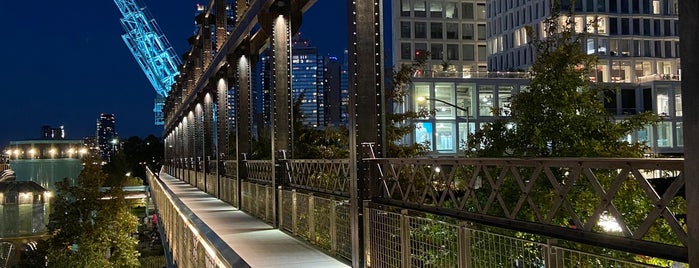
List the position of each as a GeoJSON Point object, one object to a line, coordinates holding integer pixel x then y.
{"type": "Point", "coordinates": [453, 31]}
{"type": "Point", "coordinates": [449, 127]}
{"type": "Point", "coordinates": [636, 41]}
{"type": "Point", "coordinates": [307, 81]}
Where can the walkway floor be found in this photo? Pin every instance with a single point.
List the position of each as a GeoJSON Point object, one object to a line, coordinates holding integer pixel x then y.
{"type": "Point", "coordinates": [253, 240]}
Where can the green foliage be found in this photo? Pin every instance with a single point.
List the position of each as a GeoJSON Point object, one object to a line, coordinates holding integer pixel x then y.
{"type": "Point", "coordinates": [88, 231]}
{"type": "Point", "coordinates": [261, 148]}
{"type": "Point", "coordinates": [398, 125]}
{"type": "Point", "coordinates": [133, 158]}
{"type": "Point", "coordinates": [313, 143]}
{"type": "Point", "coordinates": [562, 115]}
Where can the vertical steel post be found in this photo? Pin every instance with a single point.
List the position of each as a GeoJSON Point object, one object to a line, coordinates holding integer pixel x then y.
{"type": "Point", "coordinates": [221, 23]}
{"type": "Point", "coordinates": [464, 246]}
{"type": "Point", "coordinates": [405, 238]}
{"type": "Point", "coordinates": [333, 227]}
{"type": "Point", "coordinates": [311, 218]}
{"type": "Point", "coordinates": [689, 41]}
{"type": "Point", "coordinates": [282, 130]}
{"type": "Point", "coordinates": [366, 107]}
{"type": "Point", "coordinates": [294, 212]}
{"type": "Point", "coordinates": [208, 132]}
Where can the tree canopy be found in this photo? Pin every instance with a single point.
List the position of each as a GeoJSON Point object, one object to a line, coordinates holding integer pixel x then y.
{"type": "Point", "coordinates": [87, 230]}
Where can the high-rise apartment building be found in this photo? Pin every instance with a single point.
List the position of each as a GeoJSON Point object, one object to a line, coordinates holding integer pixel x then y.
{"type": "Point", "coordinates": [106, 135]}
{"type": "Point", "coordinates": [453, 31]}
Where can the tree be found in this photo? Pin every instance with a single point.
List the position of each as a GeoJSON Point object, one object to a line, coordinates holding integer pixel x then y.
{"type": "Point", "coordinates": [398, 125]}
{"type": "Point", "coordinates": [88, 231]}
{"type": "Point", "coordinates": [135, 155]}
{"type": "Point", "coordinates": [313, 143]}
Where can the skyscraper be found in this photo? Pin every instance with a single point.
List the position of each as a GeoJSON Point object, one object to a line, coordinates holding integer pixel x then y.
{"type": "Point", "coordinates": [106, 135]}
{"type": "Point", "coordinates": [307, 81]}
{"type": "Point", "coordinates": [333, 94]}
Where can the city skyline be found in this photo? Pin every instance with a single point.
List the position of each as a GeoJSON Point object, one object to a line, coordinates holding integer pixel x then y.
{"type": "Point", "coordinates": [80, 67]}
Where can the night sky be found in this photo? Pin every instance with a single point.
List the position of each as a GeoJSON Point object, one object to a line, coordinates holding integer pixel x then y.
{"type": "Point", "coordinates": [64, 63]}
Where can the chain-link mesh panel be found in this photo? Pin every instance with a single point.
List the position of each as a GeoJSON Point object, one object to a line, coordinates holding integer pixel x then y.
{"type": "Point", "coordinates": [433, 243]}
{"type": "Point", "coordinates": [323, 215]}
{"type": "Point", "coordinates": [573, 258]}
{"type": "Point", "coordinates": [494, 250]}
{"type": "Point", "coordinates": [344, 233]}
{"type": "Point", "coordinates": [302, 214]}
{"type": "Point", "coordinates": [246, 197]}
{"type": "Point", "coordinates": [287, 211]}
{"type": "Point", "coordinates": [385, 239]}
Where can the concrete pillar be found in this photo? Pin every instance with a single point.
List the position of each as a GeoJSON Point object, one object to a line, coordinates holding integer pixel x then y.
{"type": "Point", "coordinates": [689, 41]}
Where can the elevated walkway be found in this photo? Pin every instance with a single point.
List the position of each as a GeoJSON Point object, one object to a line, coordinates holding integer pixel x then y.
{"type": "Point", "coordinates": [237, 239]}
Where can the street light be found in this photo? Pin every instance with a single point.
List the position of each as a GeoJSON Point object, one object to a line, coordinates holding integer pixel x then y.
{"type": "Point", "coordinates": [422, 99]}
{"type": "Point", "coordinates": [468, 126]}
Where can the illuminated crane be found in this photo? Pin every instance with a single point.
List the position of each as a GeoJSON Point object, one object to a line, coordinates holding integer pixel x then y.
{"type": "Point", "coordinates": [151, 49]}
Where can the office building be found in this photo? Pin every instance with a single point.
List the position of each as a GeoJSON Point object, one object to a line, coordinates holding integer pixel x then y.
{"type": "Point", "coordinates": [454, 32]}
{"type": "Point", "coordinates": [307, 81]}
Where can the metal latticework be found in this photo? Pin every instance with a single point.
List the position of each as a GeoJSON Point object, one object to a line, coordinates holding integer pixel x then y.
{"type": "Point", "coordinates": [320, 175]}
{"type": "Point", "coordinates": [152, 51]}
{"type": "Point", "coordinates": [260, 170]}
{"type": "Point", "coordinates": [5, 253]}
{"type": "Point", "coordinates": [549, 196]}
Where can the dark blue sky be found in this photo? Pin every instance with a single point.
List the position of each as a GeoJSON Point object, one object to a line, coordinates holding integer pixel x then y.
{"type": "Point", "coordinates": [64, 63]}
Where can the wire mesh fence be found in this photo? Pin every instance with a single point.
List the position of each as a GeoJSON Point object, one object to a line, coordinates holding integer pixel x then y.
{"type": "Point", "coordinates": [402, 240]}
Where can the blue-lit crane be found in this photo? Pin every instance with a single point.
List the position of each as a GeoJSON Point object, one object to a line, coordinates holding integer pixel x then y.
{"type": "Point", "coordinates": [151, 49]}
